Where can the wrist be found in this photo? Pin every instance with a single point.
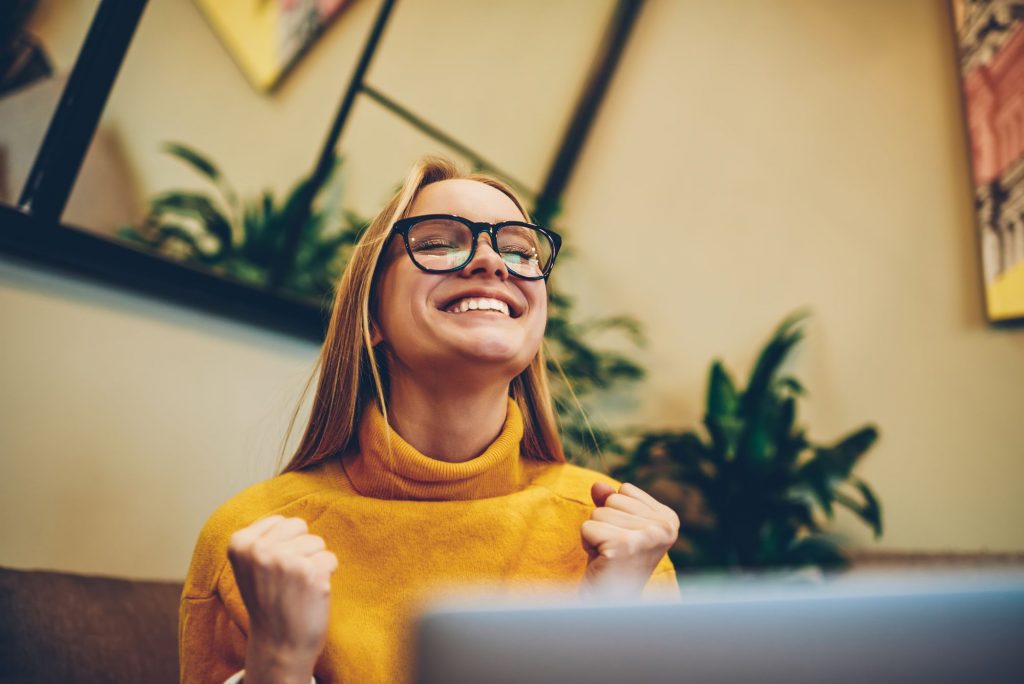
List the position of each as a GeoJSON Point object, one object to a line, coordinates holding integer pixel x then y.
{"type": "Point", "coordinates": [268, 662]}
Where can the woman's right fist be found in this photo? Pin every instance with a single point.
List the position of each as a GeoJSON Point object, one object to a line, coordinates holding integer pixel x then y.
{"type": "Point", "coordinates": [283, 574]}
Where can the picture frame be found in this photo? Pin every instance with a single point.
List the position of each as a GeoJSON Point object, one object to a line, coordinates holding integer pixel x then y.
{"type": "Point", "coordinates": [266, 38]}
{"type": "Point", "coordinates": [990, 42]}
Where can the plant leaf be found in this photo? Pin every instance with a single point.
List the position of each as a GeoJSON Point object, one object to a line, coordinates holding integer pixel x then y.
{"type": "Point", "coordinates": [195, 159]}
{"type": "Point", "coordinates": [870, 511]}
{"type": "Point", "coordinates": [833, 465]}
{"type": "Point", "coordinates": [199, 207]}
{"type": "Point", "coordinates": [774, 353]}
{"type": "Point", "coordinates": [722, 397]}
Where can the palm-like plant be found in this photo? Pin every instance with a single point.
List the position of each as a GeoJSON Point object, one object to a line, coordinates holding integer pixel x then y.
{"type": "Point", "coordinates": [754, 492]}
{"type": "Point", "coordinates": [244, 239]}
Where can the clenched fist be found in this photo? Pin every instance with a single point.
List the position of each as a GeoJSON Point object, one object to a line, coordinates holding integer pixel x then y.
{"type": "Point", "coordinates": [283, 574]}
{"type": "Point", "coordinates": [625, 538]}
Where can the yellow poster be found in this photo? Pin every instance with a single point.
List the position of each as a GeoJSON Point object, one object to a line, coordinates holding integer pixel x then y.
{"type": "Point", "coordinates": [266, 37]}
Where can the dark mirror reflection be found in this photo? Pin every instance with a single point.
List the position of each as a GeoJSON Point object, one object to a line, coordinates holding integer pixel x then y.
{"type": "Point", "coordinates": [39, 42]}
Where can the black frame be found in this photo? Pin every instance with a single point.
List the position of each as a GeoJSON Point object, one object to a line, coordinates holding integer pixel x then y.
{"type": "Point", "coordinates": [32, 231]}
{"type": "Point", "coordinates": [403, 226]}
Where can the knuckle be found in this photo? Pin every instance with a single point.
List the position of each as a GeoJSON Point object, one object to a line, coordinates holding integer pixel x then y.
{"type": "Point", "coordinates": [633, 544]}
{"type": "Point", "coordinates": [288, 565]}
{"type": "Point", "coordinates": [238, 543]}
{"type": "Point", "coordinates": [304, 570]}
{"type": "Point", "coordinates": [330, 560]}
{"type": "Point", "coordinates": [262, 553]}
{"type": "Point", "coordinates": [669, 528]}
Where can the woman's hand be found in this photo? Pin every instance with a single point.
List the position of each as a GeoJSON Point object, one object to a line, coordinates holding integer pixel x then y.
{"type": "Point", "coordinates": [626, 537]}
{"type": "Point", "coordinates": [283, 574]}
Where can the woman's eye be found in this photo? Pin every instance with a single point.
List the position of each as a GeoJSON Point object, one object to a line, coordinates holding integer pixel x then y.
{"type": "Point", "coordinates": [436, 244]}
{"type": "Point", "coordinates": [519, 253]}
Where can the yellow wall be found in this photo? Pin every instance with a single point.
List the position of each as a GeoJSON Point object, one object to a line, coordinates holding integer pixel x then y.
{"type": "Point", "coordinates": [782, 154]}
{"type": "Point", "coordinates": [751, 158]}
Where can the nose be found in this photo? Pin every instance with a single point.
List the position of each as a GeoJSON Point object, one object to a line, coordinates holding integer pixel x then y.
{"type": "Point", "coordinates": [485, 261]}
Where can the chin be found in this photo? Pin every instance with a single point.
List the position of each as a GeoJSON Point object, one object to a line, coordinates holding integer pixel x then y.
{"type": "Point", "coordinates": [493, 349]}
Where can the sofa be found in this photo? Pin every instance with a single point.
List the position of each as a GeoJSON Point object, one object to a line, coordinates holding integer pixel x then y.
{"type": "Point", "coordinates": [62, 627]}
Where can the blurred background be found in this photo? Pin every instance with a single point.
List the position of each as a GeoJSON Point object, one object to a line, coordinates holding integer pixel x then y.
{"type": "Point", "coordinates": [748, 159]}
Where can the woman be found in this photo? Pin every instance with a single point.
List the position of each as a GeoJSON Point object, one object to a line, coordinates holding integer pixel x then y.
{"type": "Point", "coordinates": [431, 459]}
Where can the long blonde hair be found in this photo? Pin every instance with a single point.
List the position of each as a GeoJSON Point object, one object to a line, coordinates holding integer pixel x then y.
{"type": "Point", "coordinates": [350, 373]}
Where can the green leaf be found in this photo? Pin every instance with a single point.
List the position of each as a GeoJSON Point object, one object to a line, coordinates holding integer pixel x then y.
{"type": "Point", "coordinates": [722, 397]}
{"type": "Point", "coordinates": [849, 449]}
{"type": "Point", "coordinates": [774, 353]}
{"type": "Point", "coordinates": [171, 233]}
{"type": "Point", "coordinates": [205, 167]}
{"type": "Point", "coordinates": [721, 447]}
{"type": "Point", "coordinates": [130, 234]}
{"type": "Point", "coordinates": [870, 511]}
{"type": "Point", "coordinates": [193, 158]}
{"type": "Point", "coordinates": [817, 484]}
{"type": "Point", "coordinates": [198, 207]}
{"type": "Point", "coordinates": [793, 385]}
{"type": "Point", "coordinates": [834, 464]}
{"type": "Point", "coordinates": [788, 449]}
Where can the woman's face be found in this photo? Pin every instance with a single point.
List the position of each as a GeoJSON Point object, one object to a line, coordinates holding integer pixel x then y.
{"type": "Point", "coordinates": [419, 317]}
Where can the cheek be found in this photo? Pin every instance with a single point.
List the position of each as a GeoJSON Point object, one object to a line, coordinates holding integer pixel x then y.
{"type": "Point", "coordinates": [537, 296]}
{"type": "Point", "coordinates": [390, 314]}
{"type": "Point", "coordinates": [400, 321]}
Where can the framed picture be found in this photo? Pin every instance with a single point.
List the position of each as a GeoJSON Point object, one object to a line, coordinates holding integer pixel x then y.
{"type": "Point", "coordinates": [267, 37]}
{"type": "Point", "coordinates": [990, 34]}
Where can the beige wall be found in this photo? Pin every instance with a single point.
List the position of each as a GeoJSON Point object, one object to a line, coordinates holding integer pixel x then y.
{"type": "Point", "coordinates": [460, 65]}
{"type": "Point", "coordinates": [751, 158]}
{"type": "Point", "coordinates": [776, 155]}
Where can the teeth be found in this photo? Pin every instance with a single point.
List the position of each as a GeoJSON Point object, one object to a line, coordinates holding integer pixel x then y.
{"type": "Point", "coordinates": [479, 304]}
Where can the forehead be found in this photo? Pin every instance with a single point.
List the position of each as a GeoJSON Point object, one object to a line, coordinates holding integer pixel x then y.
{"type": "Point", "coordinates": [467, 198]}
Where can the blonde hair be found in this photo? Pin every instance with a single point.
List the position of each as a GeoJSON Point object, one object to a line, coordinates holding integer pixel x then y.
{"type": "Point", "coordinates": [350, 373]}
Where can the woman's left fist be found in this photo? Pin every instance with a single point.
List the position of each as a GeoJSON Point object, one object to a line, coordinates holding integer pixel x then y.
{"type": "Point", "coordinates": [628, 533]}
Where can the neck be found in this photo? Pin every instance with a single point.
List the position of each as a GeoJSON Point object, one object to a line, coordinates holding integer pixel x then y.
{"type": "Point", "coordinates": [445, 420]}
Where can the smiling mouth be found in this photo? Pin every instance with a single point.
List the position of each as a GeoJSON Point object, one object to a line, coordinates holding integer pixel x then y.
{"type": "Point", "coordinates": [480, 305]}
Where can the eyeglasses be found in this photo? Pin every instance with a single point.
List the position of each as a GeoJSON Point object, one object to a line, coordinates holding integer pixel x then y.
{"type": "Point", "coordinates": [442, 243]}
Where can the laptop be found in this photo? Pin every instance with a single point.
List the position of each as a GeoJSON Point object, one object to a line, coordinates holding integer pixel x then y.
{"type": "Point", "coordinates": [881, 628]}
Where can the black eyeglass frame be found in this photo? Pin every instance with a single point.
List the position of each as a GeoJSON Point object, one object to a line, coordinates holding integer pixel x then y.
{"type": "Point", "coordinates": [403, 226]}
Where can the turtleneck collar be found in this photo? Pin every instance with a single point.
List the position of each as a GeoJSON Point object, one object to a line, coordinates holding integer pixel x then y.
{"type": "Point", "coordinates": [402, 472]}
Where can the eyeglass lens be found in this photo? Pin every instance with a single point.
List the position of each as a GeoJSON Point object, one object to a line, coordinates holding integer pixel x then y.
{"type": "Point", "coordinates": [444, 244]}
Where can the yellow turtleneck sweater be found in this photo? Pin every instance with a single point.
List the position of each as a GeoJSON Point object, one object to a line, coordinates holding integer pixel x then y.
{"type": "Point", "coordinates": [403, 526]}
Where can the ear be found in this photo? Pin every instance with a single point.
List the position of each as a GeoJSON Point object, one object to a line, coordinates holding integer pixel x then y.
{"type": "Point", "coordinates": [375, 336]}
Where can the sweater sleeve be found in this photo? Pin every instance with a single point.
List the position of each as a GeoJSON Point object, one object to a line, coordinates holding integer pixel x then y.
{"type": "Point", "coordinates": [211, 645]}
{"type": "Point", "coordinates": [212, 622]}
{"type": "Point", "coordinates": [663, 584]}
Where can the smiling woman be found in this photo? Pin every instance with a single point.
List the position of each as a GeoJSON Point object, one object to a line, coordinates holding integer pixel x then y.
{"type": "Point", "coordinates": [431, 459]}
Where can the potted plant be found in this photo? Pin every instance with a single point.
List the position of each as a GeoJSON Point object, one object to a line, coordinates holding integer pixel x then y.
{"type": "Point", "coordinates": [244, 239]}
{"type": "Point", "coordinates": [753, 492]}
